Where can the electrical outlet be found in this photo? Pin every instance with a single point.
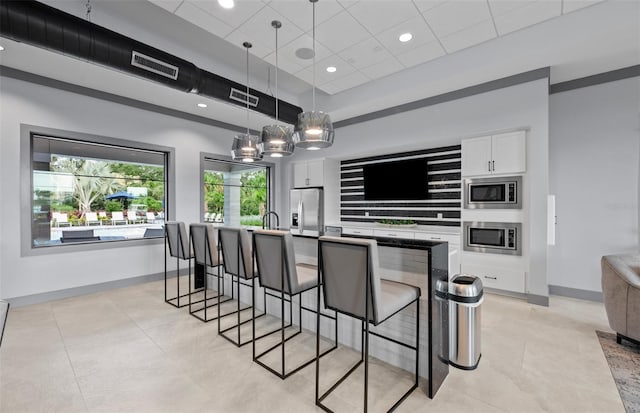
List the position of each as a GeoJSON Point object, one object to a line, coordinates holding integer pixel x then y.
{"type": "Point", "coordinates": [439, 215]}
{"type": "Point", "coordinates": [366, 213]}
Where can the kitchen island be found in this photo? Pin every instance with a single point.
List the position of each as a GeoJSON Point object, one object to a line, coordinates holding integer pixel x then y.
{"type": "Point", "coordinates": [415, 262]}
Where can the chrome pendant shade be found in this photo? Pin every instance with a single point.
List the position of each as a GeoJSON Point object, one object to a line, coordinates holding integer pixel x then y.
{"type": "Point", "coordinates": [245, 148]}
{"type": "Point", "coordinates": [314, 129]}
{"type": "Point", "coordinates": [276, 140]}
{"type": "Point", "coordinates": [245, 145]}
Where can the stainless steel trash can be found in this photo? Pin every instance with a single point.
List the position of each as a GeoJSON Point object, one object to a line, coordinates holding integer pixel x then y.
{"type": "Point", "coordinates": [465, 299]}
{"type": "Point", "coordinates": [442, 305]}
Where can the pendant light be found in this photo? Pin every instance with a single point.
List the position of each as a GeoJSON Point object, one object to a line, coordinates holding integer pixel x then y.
{"type": "Point", "coordinates": [314, 129]}
{"type": "Point", "coordinates": [276, 139]}
{"type": "Point", "coordinates": [245, 145]}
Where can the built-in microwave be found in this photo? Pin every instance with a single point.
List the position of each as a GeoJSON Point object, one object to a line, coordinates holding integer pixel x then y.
{"type": "Point", "coordinates": [493, 193]}
{"type": "Point", "coordinates": [493, 237]}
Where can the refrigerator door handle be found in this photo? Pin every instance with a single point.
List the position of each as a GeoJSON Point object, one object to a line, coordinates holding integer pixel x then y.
{"type": "Point", "coordinates": [300, 218]}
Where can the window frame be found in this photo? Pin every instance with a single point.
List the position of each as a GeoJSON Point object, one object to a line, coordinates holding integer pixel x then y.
{"type": "Point", "coordinates": [26, 189]}
{"type": "Point", "coordinates": [271, 178]}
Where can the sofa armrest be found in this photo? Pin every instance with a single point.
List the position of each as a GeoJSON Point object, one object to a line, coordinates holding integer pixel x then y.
{"type": "Point", "coordinates": [627, 267]}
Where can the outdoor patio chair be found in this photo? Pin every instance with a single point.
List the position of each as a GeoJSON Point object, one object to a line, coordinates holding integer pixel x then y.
{"type": "Point", "coordinates": [91, 218]}
{"type": "Point", "coordinates": [132, 218]}
{"type": "Point", "coordinates": [62, 219]}
{"type": "Point", "coordinates": [151, 218]}
{"type": "Point", "coordinates": [117, 216]}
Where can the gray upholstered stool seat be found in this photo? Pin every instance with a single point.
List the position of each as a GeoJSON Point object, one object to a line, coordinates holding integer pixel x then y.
{"type": "Point", "coordinates": [177, 242]}
{"type": "Point", "coordinates": [278, 272]}
{"type": "Point", "coordinates": [237, 261]}
{"type": "Point", "coordinates": [204, 243]}
{"type": "Point", "coordinates": [353, 286]}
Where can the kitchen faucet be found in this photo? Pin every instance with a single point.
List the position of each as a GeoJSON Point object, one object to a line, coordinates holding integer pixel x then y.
{"type": "Point", "coordinates": [265, 217]}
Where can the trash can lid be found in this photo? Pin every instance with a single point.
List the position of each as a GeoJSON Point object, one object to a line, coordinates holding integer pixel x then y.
{"type": "Point", "coordinates": [465, 285]}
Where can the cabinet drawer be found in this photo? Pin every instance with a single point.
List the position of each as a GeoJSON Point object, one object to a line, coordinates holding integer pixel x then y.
{"type": "Point", "coordinates": [498, 278]}
{"type": "Point", "coordinates": [450, 238]}
{"type": "Point", "coordinates": [357, 231]}
{"type": "Point", "coordinates": [393, 234]}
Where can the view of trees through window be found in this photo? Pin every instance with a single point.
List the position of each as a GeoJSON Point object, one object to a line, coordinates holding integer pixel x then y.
{"type": "Point", "coordinates": [87, 192]}
{"type": "Point", "coordinates": [246, 194]}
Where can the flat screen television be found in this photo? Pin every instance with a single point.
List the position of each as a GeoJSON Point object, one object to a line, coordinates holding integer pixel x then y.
{"type": "Point", "coordinates": [396, 180]}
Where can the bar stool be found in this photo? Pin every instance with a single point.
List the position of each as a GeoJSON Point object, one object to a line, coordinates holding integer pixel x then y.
{"type": "Point", "coordinates": [4, 312]}
{"type": "Point", "coordinates": [177, 240]}
{"type": "Point", "coordinates": [278, 272]}
{"type": "Point", "coordinates": [204, 240]}
{"type": "Point", "coordinates": [350, 275]}
{"type": "Point", "coordinates": [235, 249]}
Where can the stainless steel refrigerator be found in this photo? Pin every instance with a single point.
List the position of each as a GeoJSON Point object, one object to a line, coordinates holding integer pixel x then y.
{"type": "Point", "coordinates": [306, 211]}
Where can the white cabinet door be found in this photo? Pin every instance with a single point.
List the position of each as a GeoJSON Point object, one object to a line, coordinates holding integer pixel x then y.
{"type": "Point", "coordinates": [300, 175]}
{"type": "Point", "coordinates": [509, 153]}
{"type": "Point", "coordinates": [476, 156]}
{"type": "Point", "coordinates": [315, 173]}
{"type": "Point", "coordinates": [499, 278]}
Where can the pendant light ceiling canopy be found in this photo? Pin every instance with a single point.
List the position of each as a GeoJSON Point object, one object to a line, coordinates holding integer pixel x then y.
{"type": "Point", "coordinates": [276, 140]}
{"type": "Point", "coordinates": [314, 129]}
{"type": "Point", "coordinates": [245, 145]}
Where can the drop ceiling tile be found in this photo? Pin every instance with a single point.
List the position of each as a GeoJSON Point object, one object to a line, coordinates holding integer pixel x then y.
{"type": "Point", "coordinates": [349, 81]}
{"type": "Point", "coordinates": [300, 12]}
{"type": "Point", "coordinates": [421, 54]}
{"type": "Point", "coordinates": [469, 37]}
{"type": "Point", "coordinates": [197, 16]}
{"type": "Point", "coordinates": [258, 29]}
{"type": "Point", "coordinates": [258, 48]}
{"type": "Point", "coordinates": [340, 32]}
{"type": "Point", "coordinates": [526, 16]}
{"type": "Point", "coordinates": [571, 5]}
{"type": "Point", "coordinates": [322, 76]}
{"type": "Point", "coordinates": [500, 7]}
{"type": "Point", "coordinates": [365, 53]}
{"type": "Point", "coordinates": [284, 63]}
{"type": "Point", "coordinates": [289, 51]}
{"type": "Point", "coordinates": [239, 14]}
{"type": "Point", "coordinates": [424, 5]}
{"type": "Point", "coordinates": [454, 16]}
{"type": "Point", "coordinates": [329, 88]}
{"type": "Point", "coordinates": [348, 3]}
{"type": "Point", "coordinates": [416, 26]}
{"type": "Point", "coordinates": [383, 68]}
{"type": "Point", "coordinates": [382, 15]}
{"type": "Point", "coordinates": [170, 5]}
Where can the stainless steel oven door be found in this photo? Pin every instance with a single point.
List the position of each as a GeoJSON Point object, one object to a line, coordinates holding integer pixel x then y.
{"type": "Point", "coordinates": [493, 237]}
{"type": "Point", "coordinates": [493, 193]}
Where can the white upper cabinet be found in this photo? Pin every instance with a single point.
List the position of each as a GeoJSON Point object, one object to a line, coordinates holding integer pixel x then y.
{"type": "Point", "coordinates": [497, 154]}
{"type": "Point", "coordinates": [308, 174]}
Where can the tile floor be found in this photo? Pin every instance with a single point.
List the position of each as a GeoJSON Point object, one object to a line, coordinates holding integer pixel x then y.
{"type": "Point", "coordinates": [125, 350]}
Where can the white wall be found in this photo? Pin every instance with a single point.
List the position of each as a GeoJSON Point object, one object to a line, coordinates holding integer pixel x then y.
{"type": "Point", "coordinates": [594, 165]}
{"type": "Point", "coordinates": [524, 105]}
{"type": "Point", "coordinates": [22, 102]}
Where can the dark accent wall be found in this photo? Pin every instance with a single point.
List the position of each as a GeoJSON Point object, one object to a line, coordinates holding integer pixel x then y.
{"type": "Point", "coordinates": [444, 190]}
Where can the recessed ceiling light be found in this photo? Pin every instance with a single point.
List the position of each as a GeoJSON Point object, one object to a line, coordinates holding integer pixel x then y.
{"type": "Point", "coordinates": [304, 53]}
{"type": "Point", "coordinates": [405, 37]}
{"type": "Point", "coordinates": [226, 4]}
{"type": "Point", "coordinates": [202, 105]}
{"type": "Point", "coordinates": [1, 48]}
{"type": "Point", "coordinates": [331, 69]}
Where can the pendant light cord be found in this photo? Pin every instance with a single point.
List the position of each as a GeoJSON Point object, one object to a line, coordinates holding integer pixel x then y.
{"type": "Point", "coordinates": [248, 45]}
{"type": "Point", "coordinates": [276, 75]}
{"type": "Point", "coordinates": [88, 6]}
{"type": "Point", "coordinates": [314, 56]}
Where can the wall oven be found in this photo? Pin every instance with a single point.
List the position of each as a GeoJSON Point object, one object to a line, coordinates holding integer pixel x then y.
{"type": "Point", "coordinates": [494, 193]}
{"type": "Point", "coordinates": [493, 237]}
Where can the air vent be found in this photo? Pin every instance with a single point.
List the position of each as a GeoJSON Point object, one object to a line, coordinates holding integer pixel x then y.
{"type": "Point", "coordinates": [153, 65]}
{"type": "Point", "coordinates": [240, 96]}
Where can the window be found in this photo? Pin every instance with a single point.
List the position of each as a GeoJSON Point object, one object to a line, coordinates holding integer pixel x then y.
{"type": "Point", "coordinates": [86, 191]}
{"type": "Point", "coordinates": [234, 193]}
